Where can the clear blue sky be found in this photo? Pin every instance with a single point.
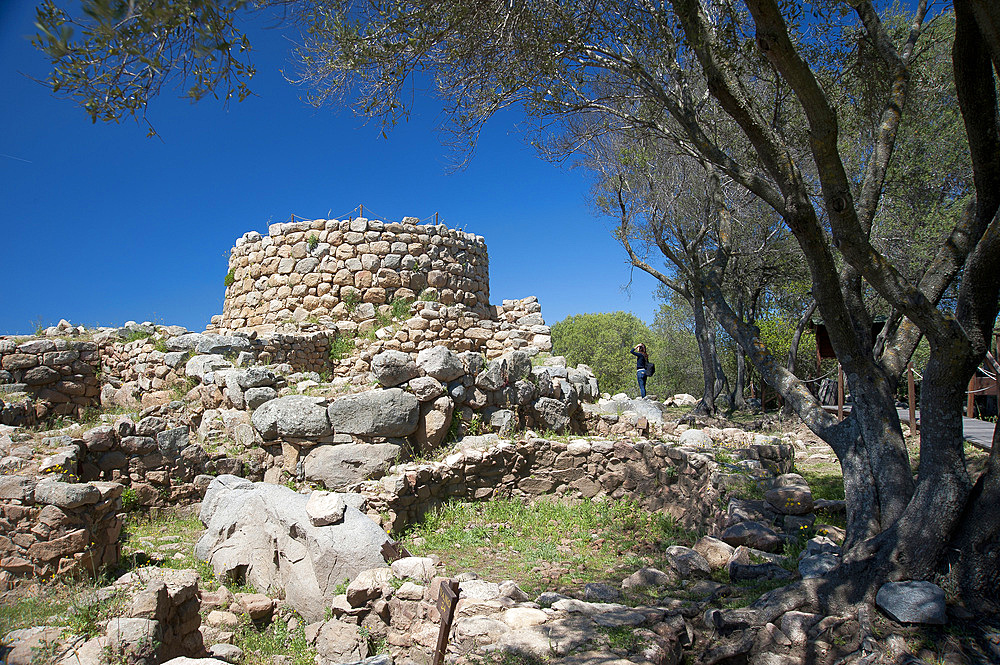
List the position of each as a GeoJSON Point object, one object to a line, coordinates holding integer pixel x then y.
{"type": "Point", "coordinates": [104, 225]}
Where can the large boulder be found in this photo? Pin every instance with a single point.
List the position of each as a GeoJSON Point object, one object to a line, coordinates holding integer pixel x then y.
{"type": "Point", "coordinates": [791, 499]}
{"type": "Point", "coordinates": [506, 370]}
{"type": "Point", "coordinates": [221, 344]}
{"type": "Point", "coordinates": [201, 365]}
{"type": "Point", "coordinates": [439, 362]}
{"type": "Point", "coordinates": [518, 365]}
{"type": "Point", "coordinates": [752, 534]}
{"type": "Point", "coordinates": [695, 437]}
{"type": "Point", "coordinates": [426, 388]}
{"type": "Point", "coordinates": [262, 533]}
{"type": "Point", "coordinates": [552, 414]}
{"type": "Point", "coordinates": [433, 424]}
{"type": "Point", "coordinates": [392, 412]}
{"type": "Point", "coordinates": [295, 416]}
{"type": "Point", "coordinates": [337, 466]}
{"type": "Point", "coordinates": [393, 368]}
{"type": "Point", "coordinates": [65, 495]}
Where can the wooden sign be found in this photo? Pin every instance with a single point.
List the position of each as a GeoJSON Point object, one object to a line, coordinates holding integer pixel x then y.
{"type": "Point", "coordinates": [446, 602]}
{"type": "Point", "coordinates": [394, 551]}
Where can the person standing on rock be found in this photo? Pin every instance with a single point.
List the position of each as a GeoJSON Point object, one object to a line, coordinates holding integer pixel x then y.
{"type": "Point", "coordinates": [641, 367]}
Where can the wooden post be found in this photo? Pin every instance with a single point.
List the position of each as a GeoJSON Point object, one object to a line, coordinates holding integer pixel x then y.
{"type": "Point", "coordinates": [970, 404]}
{"type": "Point", "coordinates": [840, 392]}
{"type": "Point", "coordinates": [435, 219]}
{"type": "Point", "coordinates": [394, 551]}
{"type": "Point", "coordinates": [911, 389]}
{"type": "Point", "coordinates": [362, 209]}
{"type": "Point", "coordinates": [446, 602]}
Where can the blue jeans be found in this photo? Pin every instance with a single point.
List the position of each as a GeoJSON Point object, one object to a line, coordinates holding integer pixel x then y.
{"type": "Point", "coordinates": [641, 376]}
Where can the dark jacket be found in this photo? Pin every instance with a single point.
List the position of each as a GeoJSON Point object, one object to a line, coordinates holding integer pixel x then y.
{"type": "Point", "coordinates": [641, 361]}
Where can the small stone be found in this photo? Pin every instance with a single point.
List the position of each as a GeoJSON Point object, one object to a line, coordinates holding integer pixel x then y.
{"type": "Point", "coordinates": [716, 552]}
{"type": "Point", "coordinates": [523, 617]}
{"type": "Point", "coordinates": [222, 619]}
{"type": "Point", "coordinates": [687, 562]}
{"type": "Point", "coordinates": [325, 508]}
{"type": "Point", "coordinates": [410, 591]}
{"type": "Point", "coordinates": [258, 606]}
{"type": "Point", "coordinates": [227, 652]}
{"type": "Point", "coordinates": [791, 499]}
{"type": "Point", "coordinates": [603, 593]}
{"type": "Point", "coordinates": [413, 567]}
{"type": "Point", "coordinates": [649, 577]}
{"type": "Point", "coordinates": [913, 602]}
{"type": "Point", "coordinates": [367, 585]}
{"type": "Point", "coordinates": [752, 534]}
{"type": "Point", "coordinates": [817, 565]}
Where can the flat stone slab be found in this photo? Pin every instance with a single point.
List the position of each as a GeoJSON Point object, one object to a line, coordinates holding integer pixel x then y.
{"type": "Point", "coordinates": [913, 602]}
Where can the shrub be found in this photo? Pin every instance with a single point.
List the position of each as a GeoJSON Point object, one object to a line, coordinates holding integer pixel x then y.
{"type": "Point", "coordinates": [230, 277]}
{"type": "Point", "coordinates": [136, 335]}
{"type": "Point", "coordinates": [340, 347]}
{"type": "Point", "coordinates": [401, 307]}
{"type": "Point", "coordinates": [130, 499]}
{"type": "Point", "coordinates": [313, 241]}
{"type": "Point", "coordinates": [351, 299]}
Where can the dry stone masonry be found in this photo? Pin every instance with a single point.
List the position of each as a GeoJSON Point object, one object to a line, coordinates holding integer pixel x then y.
{"type": "Point", "coordinates": [50, 527]}
{"type": "Point", "coordinates": [326, 267]}
{"type": "Point", "coordinates": [61, 376]}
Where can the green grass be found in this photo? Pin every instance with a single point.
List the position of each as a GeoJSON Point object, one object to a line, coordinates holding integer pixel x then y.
{"type": "Point", "coordinates": [825, 481]}
{"type": "Point", "coordinates": [401, 308]}
{"type": "Point", "coordinates": [71, 604]}
{"type": "Point", "coordinates": [547, 544]}
{"type": "Point", "coordinates": [351, 299]}
{"type": "Point", "coordinates": [148, 533]}
{"type": "Point", "coordinates": [27, 611]}
{"type": "Point", "coordinates": [623, 638]}
{"type": "Point", "coordinates": [261, 645]}
{"type": "Point", "coordinates": [136, 335]}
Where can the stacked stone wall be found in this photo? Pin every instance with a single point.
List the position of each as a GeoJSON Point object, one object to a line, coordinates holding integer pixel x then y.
{"type": "Point", "coordinates": [324, 267]}
{"type": "Point", "coordinates": [141, 362]}
{"type": "Point", "coordinates": [61, 376]}
{"type": "Point", "coordinates": [49, 527]}
{"type": "Point", "coordinates": [660, 476]}
{"type": "Point", "coordinates": [164, 607]}
{"type": "Point", "coordinates": [156, 461]}
{"type": "Point", "coordinates": [155, 365]}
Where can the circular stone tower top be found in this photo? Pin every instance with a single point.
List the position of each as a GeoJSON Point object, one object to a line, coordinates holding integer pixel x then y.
{"type": "Point", "coordinates": [326, 267]}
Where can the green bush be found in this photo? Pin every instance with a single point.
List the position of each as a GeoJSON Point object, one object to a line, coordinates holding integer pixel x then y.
{"type": "Point", "coordinates": [230, 277]}
{"type": "Point", "coordinates": [340, 348]}
{"type": "Point", "coordinates": [401, 308]}
{"type": "Point", "coordinates": [351, 299]}
{"type": "Point", "coordinates": [130, 499]}
{"type": "Point", "coordinates": [136, 335]}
